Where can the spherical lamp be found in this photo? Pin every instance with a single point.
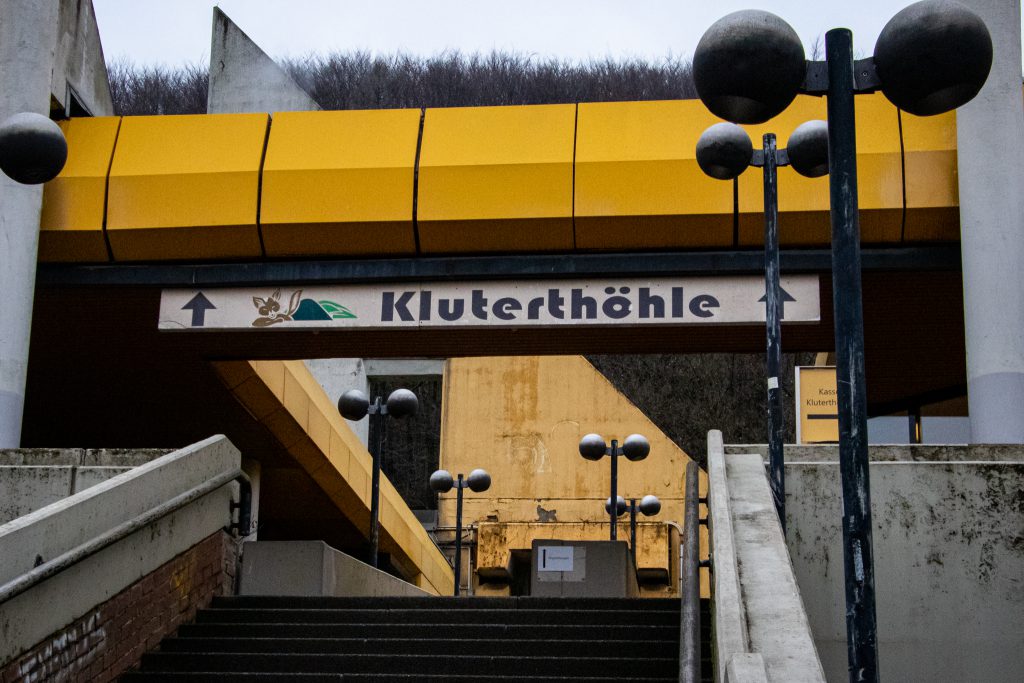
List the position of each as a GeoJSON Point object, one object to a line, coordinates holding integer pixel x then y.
{"type": "Point", "coordinates": [32, 148]}
{"type": "Point", "coordinates": [748, 66]}
{"type": "Point", "coordinates": [933, 56]}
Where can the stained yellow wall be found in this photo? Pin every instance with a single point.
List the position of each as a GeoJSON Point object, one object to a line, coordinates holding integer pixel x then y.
{"type": "Point", "coordinates": [521, 419]}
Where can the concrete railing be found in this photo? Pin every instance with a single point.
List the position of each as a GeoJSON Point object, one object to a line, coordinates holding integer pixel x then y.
{"type": "Point", "coordinates": [313, 568]}
{"type": "Point", "coordinates": [61, 561]}
{"type": "Point", "coordinates": [761, 631]}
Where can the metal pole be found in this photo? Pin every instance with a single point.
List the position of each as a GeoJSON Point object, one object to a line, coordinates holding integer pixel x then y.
{"type": "Point", "coordinates": [861, 629]}
{"type": "Point", "coordinates": [458, 536]}
{"type": "Point", "coordinates": [614, 507]}
{"type": "Point", "coordinates": [632, 529]}
{"type": "Point", "coordinates": [375, 484]}
{"type": "Point", "coordinates": [689, 637]}
{"type": "Point", "coordinates": [773, 326]}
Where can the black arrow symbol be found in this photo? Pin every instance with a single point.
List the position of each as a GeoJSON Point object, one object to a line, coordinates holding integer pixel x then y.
{"type": "Point", "coordinates": [199, 305]}
{"type": "Point", "coordinates": [786, 296]}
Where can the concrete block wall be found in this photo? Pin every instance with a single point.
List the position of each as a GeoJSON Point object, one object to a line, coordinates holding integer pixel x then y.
{"type": "Point", "coordinates": [111, 638]}
{"type": "Point", "coordinates": [948, 525]}
{"type": "Point", "coordinates": [33, 478]}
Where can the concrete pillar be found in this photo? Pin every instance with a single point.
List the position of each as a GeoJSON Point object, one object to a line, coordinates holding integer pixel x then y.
{"type": "Point", "coordinates": [28, 36]}
{"type": "Point", "coordinates": [338, 375]}
{"type": "Point", "coordinates": [990, 141]}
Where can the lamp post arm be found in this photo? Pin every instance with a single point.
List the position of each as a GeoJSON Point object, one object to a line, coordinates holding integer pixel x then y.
{"type": "Point", "coordinates": [865, 77]}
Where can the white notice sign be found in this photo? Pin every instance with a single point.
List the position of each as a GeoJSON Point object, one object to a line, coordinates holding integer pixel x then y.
{"type": "Point", "coordinates": [511, 303]}
{"type": "Point", "coordinates": [554, 558]}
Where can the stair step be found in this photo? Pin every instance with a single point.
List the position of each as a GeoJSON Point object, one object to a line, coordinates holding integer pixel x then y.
{"type": "Point", "coordinates": [440, 616]}
{"type": "Point", "coordinates": [226, 677]}
{"type": "Point", "coordinates": [248, 677]}
{"type": "Point", "coordinates": [447, 603]}
{"type": "Point", "coordinates": [410, 664]}
{"type": "Point", "coordinates": [427, 646]}
{"type": "Point", "coordinates": [453, 632]}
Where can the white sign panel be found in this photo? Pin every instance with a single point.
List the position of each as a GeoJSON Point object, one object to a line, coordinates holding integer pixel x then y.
{"type": "Point", "coordinates": [554, 558]}
{"type": "Point", "coordinates": [665, 301]}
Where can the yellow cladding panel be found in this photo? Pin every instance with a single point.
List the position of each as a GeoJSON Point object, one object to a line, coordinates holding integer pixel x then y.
{"type": "Point", "coordinates": [933, 197]}
{"type": "Point", "coordinates": [186, 187]}
{"type": "Point", "coordinates": [340, 183]}
{"type": "Point", "coordinates": [71, 224]}
{"type": "Point", "coordinates": [637, 180]}
{"type": "Point", "coordinates": [496, 179]}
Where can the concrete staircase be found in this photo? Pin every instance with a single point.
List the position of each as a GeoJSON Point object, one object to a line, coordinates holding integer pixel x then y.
{"type": "Point", "coordinates": [422, 639]}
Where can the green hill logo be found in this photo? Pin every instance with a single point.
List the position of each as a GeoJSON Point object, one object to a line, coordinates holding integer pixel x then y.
{"type": "Point", "coordinates": [271, 313]}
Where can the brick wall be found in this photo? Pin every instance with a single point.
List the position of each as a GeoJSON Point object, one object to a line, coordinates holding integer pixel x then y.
{"type": "Point", "coordinates": [110, 639]}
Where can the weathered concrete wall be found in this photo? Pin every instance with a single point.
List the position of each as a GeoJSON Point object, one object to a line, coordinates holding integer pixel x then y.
{"type": "Point", "coordinates": [62, 527]}
{"type": "Point", "coordinates": [244, 79]}
{"type": "Point", "coordinates": [28, 30]}
{"type": "Point", "coordinates": [949, 558]}
{"type": "Point", "coordinates": [313, 568]}
{"type": "Point", "coordinates": [44, 46]}
{"type": "Point", "coordinates": [79, 59]}
{"type": "Point", "coordinates": [33, 478]}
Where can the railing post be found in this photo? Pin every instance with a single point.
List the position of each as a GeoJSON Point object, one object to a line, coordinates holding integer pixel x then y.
{"type": "Point", "coordinates": [689, 635]}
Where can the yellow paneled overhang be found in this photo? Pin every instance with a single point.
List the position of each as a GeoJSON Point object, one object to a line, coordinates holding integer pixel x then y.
{"type": "Point", "coordinates": [597, 176]}
{"type": "Point", "coordinates": [71, 224]}
{"type": "Point", "coordinates": [497, 179]}
{"type": "Point", "coordinates": [186, 187]}
{"type": "Point", "coordinates": [340, 183]}
{"type": "Point", "coordinates": [637, 180]}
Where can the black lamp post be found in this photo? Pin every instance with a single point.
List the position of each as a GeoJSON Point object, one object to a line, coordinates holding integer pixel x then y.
{"type": "Point", "coordinates": [354, 405]}
{"type": "Point", "coordinates": [724, 151]}
{"type": "Point", "coordinates": [648, 507]}
{"type": "Point", "coordinates": [932, 57]}
{"type": "Point", "coordinates": [635, 447]}
{"type": "Point", "coordinates": [441, 481]}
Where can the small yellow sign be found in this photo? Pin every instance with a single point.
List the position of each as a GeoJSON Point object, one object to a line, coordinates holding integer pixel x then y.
{"type": "Point", "coordinates": [817, 405]}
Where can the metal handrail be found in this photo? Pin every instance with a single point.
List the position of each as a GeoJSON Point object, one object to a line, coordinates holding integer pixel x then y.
{"type": "Point", "coordinates": [689, 634]}
{"type": "Point", "coordinates": [58, 564]}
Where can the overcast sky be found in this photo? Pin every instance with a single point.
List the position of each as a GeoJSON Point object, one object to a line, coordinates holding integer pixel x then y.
{"type": "Point", "coordinates": [173, 32]}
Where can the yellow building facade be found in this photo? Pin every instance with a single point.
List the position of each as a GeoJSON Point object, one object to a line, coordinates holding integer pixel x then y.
{"type": "Point", "coordinates": [521, 419]}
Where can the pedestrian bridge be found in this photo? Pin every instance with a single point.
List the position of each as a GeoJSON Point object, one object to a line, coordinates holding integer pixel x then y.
{"type": "Point", "coordinates": [615, 176]}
